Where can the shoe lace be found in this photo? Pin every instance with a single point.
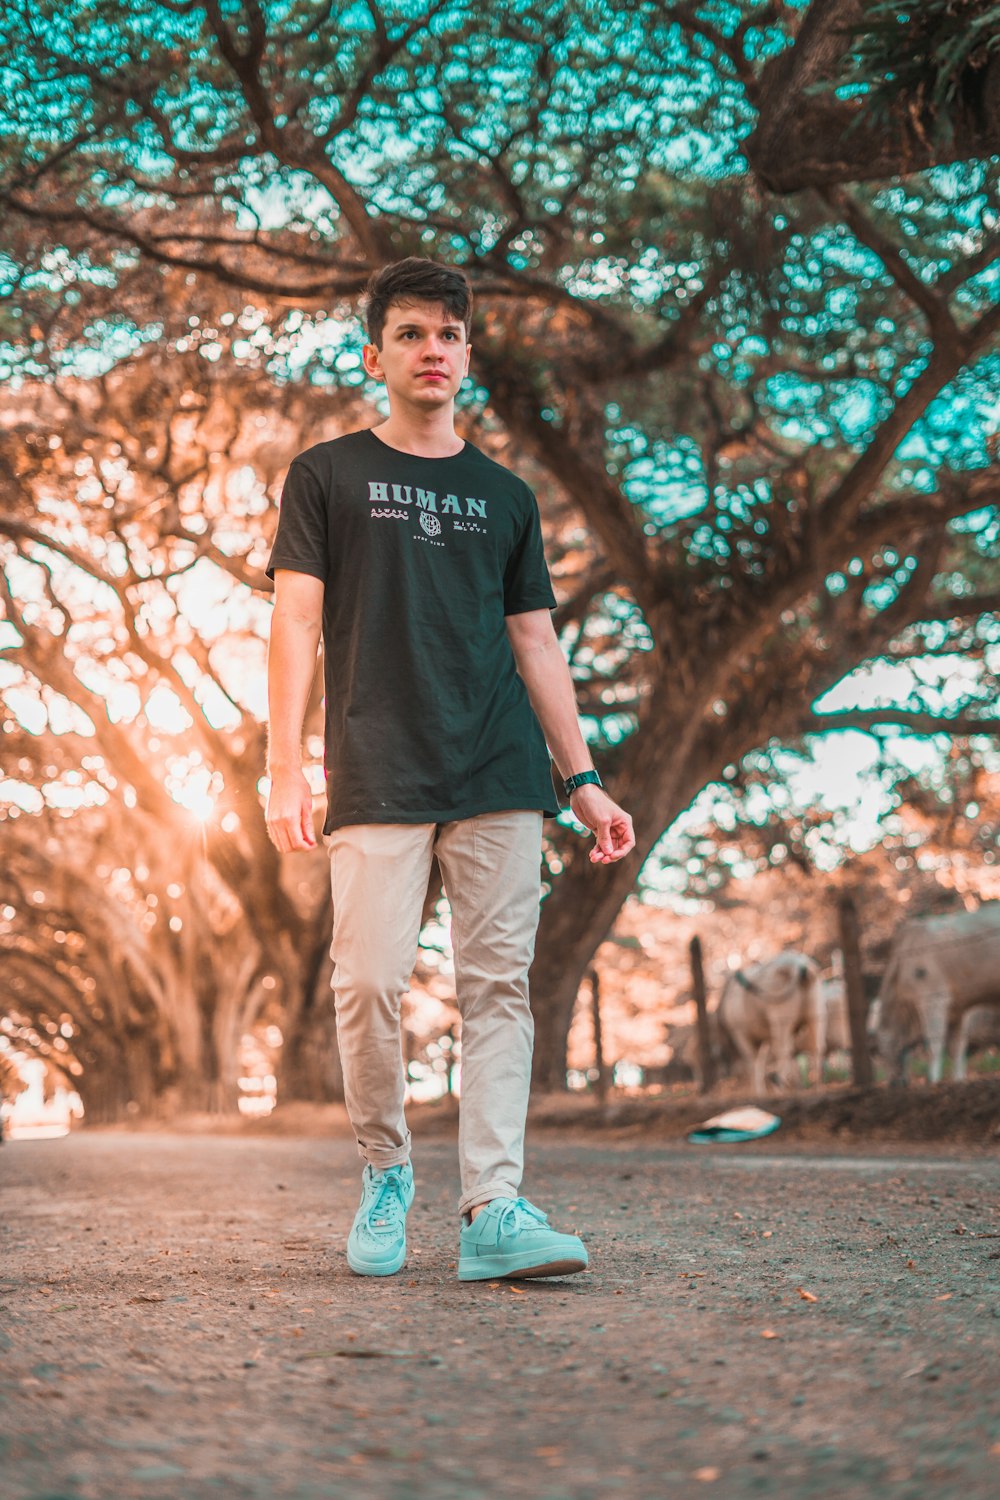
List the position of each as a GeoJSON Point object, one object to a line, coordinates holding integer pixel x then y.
{"type": "Point", "coordinates": [520, 1214]}
{"type": "Point", "coordinates": [387, 1202]}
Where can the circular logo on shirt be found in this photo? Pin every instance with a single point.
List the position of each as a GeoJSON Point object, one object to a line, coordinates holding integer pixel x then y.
{"type": "Point", "coordinates": [430, 524]}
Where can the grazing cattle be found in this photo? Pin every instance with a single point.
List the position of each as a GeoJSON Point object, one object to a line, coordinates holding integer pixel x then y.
{"type": "Point", "coordinates": [974, 1031]}
{"type": "Point", "coordinates": [762, 1008]}
{"type": "Point", "coordinates": [978, 1030]}
{"type": "Point", "coordinates": [939, 969]}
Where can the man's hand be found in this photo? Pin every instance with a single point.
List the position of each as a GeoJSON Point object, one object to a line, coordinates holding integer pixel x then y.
{"type": "Point", "coordinates": [611, 826]}
{"type": "Point", "coordinates": [289, 814]}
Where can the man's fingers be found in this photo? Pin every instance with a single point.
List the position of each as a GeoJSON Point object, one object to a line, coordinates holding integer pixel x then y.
{"type": "Point", "coordinates": [289, 834]}
{"type": "Point", "coordinates": [613, 840]}
{"type": "Point", "coordinates": [626, 837]}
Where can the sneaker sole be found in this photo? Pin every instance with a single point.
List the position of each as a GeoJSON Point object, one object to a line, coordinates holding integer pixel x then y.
{"type": "Point", "coordinates": [376, 1268]}
{"type": "Point", "coordinates": [500, 1268]}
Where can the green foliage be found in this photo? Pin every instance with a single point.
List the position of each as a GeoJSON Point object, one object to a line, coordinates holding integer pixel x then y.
{"type": "Point", "coordinates": [722, 360]}
{"type": "Point", "coordinates": [926, 57]}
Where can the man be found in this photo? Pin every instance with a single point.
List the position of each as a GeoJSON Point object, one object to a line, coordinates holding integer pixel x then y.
{"type": "Point", "coordinates": [420, 560]}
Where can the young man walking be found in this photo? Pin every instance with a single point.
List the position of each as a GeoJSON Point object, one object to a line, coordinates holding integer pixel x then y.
{"type": "Point", "coordinates": [420, 560]}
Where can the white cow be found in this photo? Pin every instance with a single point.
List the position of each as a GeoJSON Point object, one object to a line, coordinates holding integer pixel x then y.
{"type": "Point", "coordinates": [761, 1009]}
{"type": "Point", "coordinates": [979, 1028]}
{"type": "Point", "coordinates": [939, 969]}
{"type": "Point", "coordinates": [974, 1030]}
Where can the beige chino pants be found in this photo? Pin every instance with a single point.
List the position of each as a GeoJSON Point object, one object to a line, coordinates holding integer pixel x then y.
{"type": "Point", "coordinates": [491, 865]}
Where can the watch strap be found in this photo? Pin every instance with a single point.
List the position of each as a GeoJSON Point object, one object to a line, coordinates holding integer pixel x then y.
{"type": "Point", "coordinates": [583, 778]}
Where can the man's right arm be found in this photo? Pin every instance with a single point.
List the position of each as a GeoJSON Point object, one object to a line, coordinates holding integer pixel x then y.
{"type": "Point", "coordinates": [296, 624]}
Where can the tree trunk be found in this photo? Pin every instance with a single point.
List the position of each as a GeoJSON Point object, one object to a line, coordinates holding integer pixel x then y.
{"type": "Point", "coordinates": [575, 920]}
{"type": "Point", "coordinates": [105, 1099]}
{"type": "Point", "coordinates": [309, 1067]}
{"type": "Point", "coordinates": [581, 910]}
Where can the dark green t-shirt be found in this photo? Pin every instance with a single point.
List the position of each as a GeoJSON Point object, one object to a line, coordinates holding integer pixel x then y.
{"type": "Point", "coordinates": [427, 719]}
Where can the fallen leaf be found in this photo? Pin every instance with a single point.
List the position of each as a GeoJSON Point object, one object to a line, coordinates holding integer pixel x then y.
{"type": "Point", "coordinates": [769, 1333]}
{"type": "Point", "coordinates": [356, 1354]}
{"type": "Point", "coordinates": [767, 1234]}
{"type": "Point", "coordinates": [806, 1296]}
{"type": "Point", "coordinates": [946, 1298]}
{"type": "Point", "coordinates": [707, 1475]}
{"type": "Point", "coordinates": [147, 1297]}
{"type": "Point", "coordinates": [547, 1452]}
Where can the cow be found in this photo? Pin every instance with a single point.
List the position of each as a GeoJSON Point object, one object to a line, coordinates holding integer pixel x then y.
{"type": "Point", "coordinates": [976, 1030]}
{"type": "Point", "coordinates": [939, 969]}
{"type": "Point", "coordinates": [761, 1009]}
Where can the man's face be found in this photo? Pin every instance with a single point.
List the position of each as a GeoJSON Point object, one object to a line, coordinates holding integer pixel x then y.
{"type": "Point", "coordinates": [424, 355]}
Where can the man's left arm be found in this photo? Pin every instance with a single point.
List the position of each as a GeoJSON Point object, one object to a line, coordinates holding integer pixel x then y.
{"type": "Point", "coordinates": [543, 669]}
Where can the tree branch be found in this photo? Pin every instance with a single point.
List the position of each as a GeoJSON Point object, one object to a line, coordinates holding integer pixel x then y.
{"type": "Point", "coordinates": [917, 721]}
{"type": "Point", "coordinates": [932, 304]}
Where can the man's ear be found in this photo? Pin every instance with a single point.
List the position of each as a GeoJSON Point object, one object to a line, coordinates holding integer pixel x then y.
{"type": "Point", "coordinates": [371, 358]}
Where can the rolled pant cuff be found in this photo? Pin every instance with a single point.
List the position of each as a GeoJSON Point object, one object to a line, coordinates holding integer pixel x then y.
{"type": "Point", "coordinates": [379, 1161]}
{"type": "Point", "coordinates": [485, 1194]}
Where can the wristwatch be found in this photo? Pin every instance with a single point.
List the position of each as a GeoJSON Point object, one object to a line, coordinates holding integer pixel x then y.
{"type": "Point", "coordinates": [583, 778]}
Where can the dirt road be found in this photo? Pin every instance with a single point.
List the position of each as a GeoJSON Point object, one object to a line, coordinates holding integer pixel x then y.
{"type": "Point", "coordinates": [178, 1322]}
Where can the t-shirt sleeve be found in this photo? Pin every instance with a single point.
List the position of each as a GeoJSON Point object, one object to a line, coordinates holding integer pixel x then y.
{"type": "Point", "coordinates": [300, 542]}
{"type": "Point", "coordinates": [526, 581]}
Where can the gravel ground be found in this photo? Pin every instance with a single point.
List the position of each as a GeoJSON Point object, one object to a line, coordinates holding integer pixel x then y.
{"type": "Point", "coordinates": [177, 1320]}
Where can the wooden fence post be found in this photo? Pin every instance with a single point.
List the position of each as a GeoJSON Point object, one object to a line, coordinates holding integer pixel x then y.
{"type": "Point", "coordinates": [601, 1081]}
{"type": "Point", "coordinates": [857, 1005]}
{"type": "Point", "coordinates": [706, 1057]}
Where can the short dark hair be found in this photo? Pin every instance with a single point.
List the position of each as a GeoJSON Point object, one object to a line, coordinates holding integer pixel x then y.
{"type": "Point", "coordinates": [415, 279]}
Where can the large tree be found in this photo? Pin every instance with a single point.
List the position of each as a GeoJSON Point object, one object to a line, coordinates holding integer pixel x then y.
{"type": "Point", "coordinates": [133, 565]}
{"type": "Point", "coordinates": [767, 419]}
